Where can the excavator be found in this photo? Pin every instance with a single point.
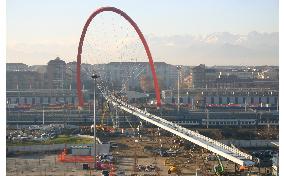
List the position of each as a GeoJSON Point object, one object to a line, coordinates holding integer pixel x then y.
{"type": "Point", "coordinates": [219, 169]}
{"type": "Point", "coordinates": [174, 166]}
{"type": "Point", "coordinates": [174, 169]}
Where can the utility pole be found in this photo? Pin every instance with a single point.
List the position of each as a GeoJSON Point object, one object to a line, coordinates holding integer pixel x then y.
{"type": "Point", "coordinates": [116, 118]}
{"type": "Point", "coordinates": [43, 115]}
{"type": "Point", "coordinates": [246, 102]}
{"type": "Point", "coordinates": [245, 105]}
{"type": "Point", "coordinates": [135, 157]}
{"type": "Point", "coordinates": [94, 77]}
{"type": "Point", "coordinates": [178, 102]}
{"type": "Point", "coordinates": [192, 103]}
{"type": "Point", "coordinates": [278, 104]}
{"type": "Point", "coordinates": [207, 121]}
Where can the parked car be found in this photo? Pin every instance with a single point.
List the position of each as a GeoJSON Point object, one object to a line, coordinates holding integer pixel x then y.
{"type": "Point", "coordinates": [113, 145]}
{"type": "Point", "coordinates": [105, 173]}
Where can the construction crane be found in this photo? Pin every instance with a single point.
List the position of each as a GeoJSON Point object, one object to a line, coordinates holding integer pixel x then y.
{"type": "Point", "coordinates": [219, 169]}
{"type": "Point", "coordinates": [102, 126]}
{"type": "Point", "coordinates": [104, 113]}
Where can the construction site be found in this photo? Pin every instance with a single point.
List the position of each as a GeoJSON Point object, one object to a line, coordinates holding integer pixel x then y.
{"type": "Point", "coordinates": [147, 151]}
{"type": "Point", "coordinates": [116, 112]}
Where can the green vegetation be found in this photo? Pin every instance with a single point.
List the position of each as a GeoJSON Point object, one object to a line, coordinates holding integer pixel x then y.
{"type": "Point", "coordinates": [61, 139]}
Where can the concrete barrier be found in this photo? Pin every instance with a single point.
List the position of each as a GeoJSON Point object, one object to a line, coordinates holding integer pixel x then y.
{"type": "Point", "coordinates": [101, 148]}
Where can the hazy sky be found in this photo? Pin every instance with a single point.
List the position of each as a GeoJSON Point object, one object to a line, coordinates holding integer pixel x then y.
{"type": "Point", "coordinates": [189, 32]}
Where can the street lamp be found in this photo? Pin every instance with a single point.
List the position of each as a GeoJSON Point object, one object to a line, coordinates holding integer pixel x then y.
{"type": "Point", "coordinates": [94, 77]}
{"type": "Point", "coordinates": [187, 97]}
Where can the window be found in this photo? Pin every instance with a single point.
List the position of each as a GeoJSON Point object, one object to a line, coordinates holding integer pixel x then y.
{"type": "Point", "coordinates": [252, 100]}
{"type": "Point", "coordinates": [236, 100]}
{"type": "Point", "coordinates": [244, 100]}
{"type": "Point", "coordinates": [181, 100]}
{"type": "Point", "coordinates": [267, 100]}
{"type": "Point", "coordinates": [275, 100]}
{"type": "Point", "coordinates": [212, 100]}
{"type": "Point", "coordinates": [220, 100]}
{"type": "Point", "coordinates": [259, 99]}
{"type": "Point", "coordinates": [173, 100]}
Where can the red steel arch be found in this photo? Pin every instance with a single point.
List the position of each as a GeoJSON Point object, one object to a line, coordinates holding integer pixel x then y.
{"type": "Point", "coordinates": [125, 16]}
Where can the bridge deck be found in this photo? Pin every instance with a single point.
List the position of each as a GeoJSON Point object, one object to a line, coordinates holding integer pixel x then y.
{"type": "Point", "coordinates": [232, 154]}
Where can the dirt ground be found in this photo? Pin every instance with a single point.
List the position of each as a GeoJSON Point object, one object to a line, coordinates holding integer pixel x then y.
{"type": "Point", "coordinates": [130, 152]}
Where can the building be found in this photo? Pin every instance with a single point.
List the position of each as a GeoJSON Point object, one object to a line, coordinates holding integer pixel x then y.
{"type": "Point", "coordinates": [21, 80]}
{"type": "Point", "coordinates": [198, 76]}
{"type": "Point", "coordinates": [250, 97]}
{"type": "Point", "coordinates": [211, 75]}
{"type": "Point", "coordinates": [240, 73]}
{"type": "Point", "coordinates": [226, 81]}
{"type": "Point", "coordinates": [232, 81]}
{"type": "Point", "coordinates": [71, 73]}
{"type": "Point", "coordinates": [45, 96]}
{"type": "Point", "coordinates": [16, 67]}
{"type": "Point", "coordinates": [56, 74]}
{"type": "Point", "coordinates": [38, 68]}
{"type": "Point", "coordinates": [138, 75]}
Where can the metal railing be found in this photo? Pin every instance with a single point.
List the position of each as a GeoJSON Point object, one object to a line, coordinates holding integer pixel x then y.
{"type": "Point", "coordinates": [228, 152]}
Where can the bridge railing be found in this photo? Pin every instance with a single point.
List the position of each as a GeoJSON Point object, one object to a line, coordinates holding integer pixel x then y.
{"type": "Point", "coordinates": [183, 130]}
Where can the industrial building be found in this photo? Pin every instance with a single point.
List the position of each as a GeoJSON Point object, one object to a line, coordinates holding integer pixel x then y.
{"type": "Point", "coordinates": [242, 96]}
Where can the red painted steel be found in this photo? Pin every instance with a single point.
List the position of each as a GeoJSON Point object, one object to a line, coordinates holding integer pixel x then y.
{"type": "Point", "coordinates": [65, 158]}
{"type": "Point", "coordinates": [125, 16]}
